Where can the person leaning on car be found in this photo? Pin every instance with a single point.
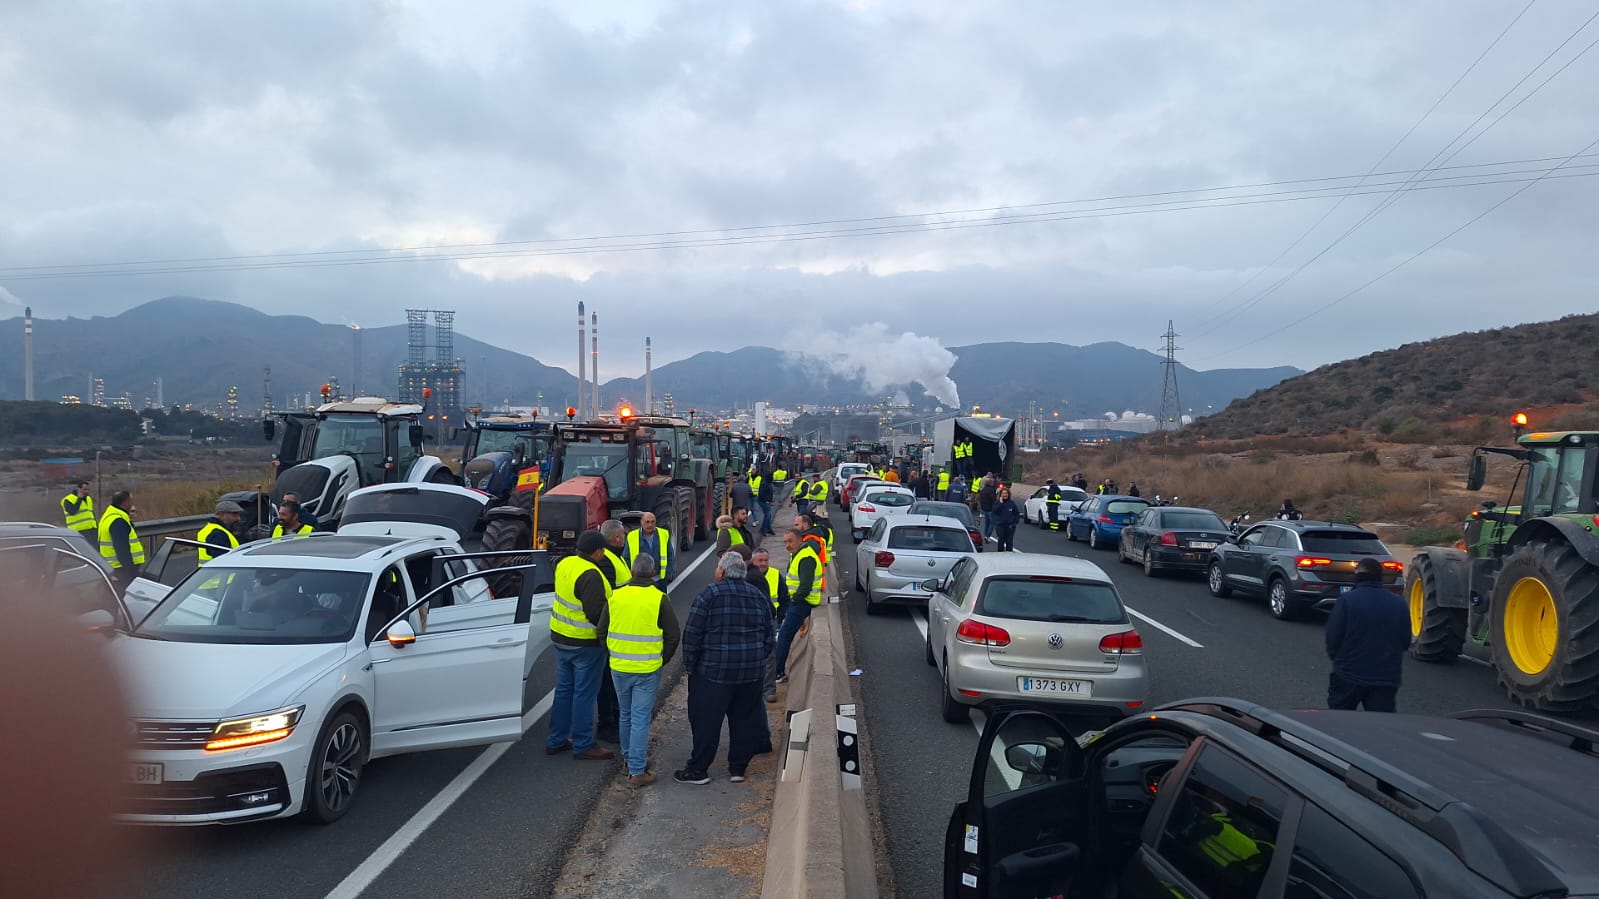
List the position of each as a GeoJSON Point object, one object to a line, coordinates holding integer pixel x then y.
{"type": "Point", "coordinates": [1367, 636]}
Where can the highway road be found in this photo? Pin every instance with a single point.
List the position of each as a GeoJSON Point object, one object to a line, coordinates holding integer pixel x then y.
{"type": "Point", "coordinates": [464, 822]}
{"type": "Point", "coordinates": [1195, 644]}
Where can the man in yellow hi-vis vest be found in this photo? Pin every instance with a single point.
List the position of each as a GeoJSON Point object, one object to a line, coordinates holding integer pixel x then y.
{"type": "Point", "coordinates": [641, 634]}
{"type": "Point", "coordinates": [217, 534]}
{"type": "Point", "coordinates": [581, 592]}
{"type": "Point", "coordinates": [78, 508]}
{"type": "Point", "coordinates": [804, 595]}
{"type": "Point", "coordinates": [119, 539]}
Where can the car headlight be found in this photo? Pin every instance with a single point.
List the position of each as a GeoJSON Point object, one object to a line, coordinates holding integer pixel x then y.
{"type": "Point", "coordinates": [254, 730]}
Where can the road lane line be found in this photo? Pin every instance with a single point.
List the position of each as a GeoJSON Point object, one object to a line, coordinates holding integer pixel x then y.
{"type": "Point", "coordinates": [920, 620]}
{"type": "Point", "coordinates": [357, 881]}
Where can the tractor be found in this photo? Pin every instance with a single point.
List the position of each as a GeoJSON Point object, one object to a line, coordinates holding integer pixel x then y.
{"type": "Point", "coordinates": [694, 467]}
{"type": "Point", "coordinates": [342, 446]}
{"type": "Point", "coordinates": [1522, 587]}
{"type": "Point", "coordinates": [500, 448]}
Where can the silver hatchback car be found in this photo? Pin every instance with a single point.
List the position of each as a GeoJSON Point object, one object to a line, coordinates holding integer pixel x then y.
{"type": "Point", "coordinates": [1035, 629]}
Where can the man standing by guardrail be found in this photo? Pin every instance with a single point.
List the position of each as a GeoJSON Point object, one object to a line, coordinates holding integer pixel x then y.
{"type": "Point", "coordinates": [119, 540]}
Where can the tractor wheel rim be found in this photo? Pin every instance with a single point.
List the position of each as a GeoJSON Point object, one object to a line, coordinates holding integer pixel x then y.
{"type": "Point", "coordinates": [1418, 601]}
{"type": "Point", "coordinates": [1532, 626]}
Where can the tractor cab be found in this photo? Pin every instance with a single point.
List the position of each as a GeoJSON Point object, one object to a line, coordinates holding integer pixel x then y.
{"type": "Point", "coordinates": [1556, 479]}
{"type": "Point", "coordinates": [500, 448]}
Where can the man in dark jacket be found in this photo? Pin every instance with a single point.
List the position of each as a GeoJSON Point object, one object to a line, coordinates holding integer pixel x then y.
{"type": "Point", "coordinates": [987, 490]}
{"type": "Point", "coordinates": [920, 486]}
{"type": "Point", "coordinates": [1367, 636]}
{"type": "Point", "coordinates": [764, 495]}
{"type": "Point", "coordinates": [726, 640]}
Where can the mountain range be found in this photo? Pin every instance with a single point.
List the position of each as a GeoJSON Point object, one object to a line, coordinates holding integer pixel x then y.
{"type": "Point", "coordinates": [200, 348]}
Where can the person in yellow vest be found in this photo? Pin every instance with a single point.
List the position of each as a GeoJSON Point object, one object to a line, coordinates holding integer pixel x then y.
{"type": "Point", "coordinates": [770, 580]}
{"type": "Point", "coordinates": [217, 535]}
{"type": "Point", "coordinates": [819, 496]}
{"type": "Point", "coordinates": [943, 485]}
{"type": "Point", "coordinates": [119, 539]}
{"type": "Point", "coordinates": [581, 593]}
{"type": "Point", "coordinates": [607, 726]}
{"type": "Point", "coordinates": [818, 532]}
{"type": "Point", "coordinates": [649, 538]}
{"type": "Point", "coordinates": [641, 634]}
{"type": "Point", "coordinates": [78, 507]}
{"type": "Point", "coordinates": [802, 495]}
{"type": "Point", "coordinates": [289, 520]}
{"type": "Point", "coordinates": [804, 595]}
{"type": "Point", "coordinates": [779, 483]}
{"type": "Point", "coordinates": [733, 531]}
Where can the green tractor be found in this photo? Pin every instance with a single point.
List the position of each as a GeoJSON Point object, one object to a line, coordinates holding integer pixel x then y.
{"type": "Point", "coordinates": [1522, 587]}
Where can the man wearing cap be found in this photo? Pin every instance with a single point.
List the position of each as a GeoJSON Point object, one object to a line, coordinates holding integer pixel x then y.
{"type": "Point", "coordinates": [581, 592]}
{"type": "Point", "coordinates": [217, 534]}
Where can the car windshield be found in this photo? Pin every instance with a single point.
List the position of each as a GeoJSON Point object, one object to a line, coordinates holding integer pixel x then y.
{"type": "Point", "coordinates": [890, 498]}
{"type": "Point", "coordinates": [1358, 543]}
{"type": "Point", "coordinates": [1072, 494]}
{"type": "Point", "coordinates": [1125, 507]}
{"type": "Point", "coordinates": [271, 606]}
{"type": "Point", "coordinates": [1041, 598]}
{"type": "Point", "coordinates": [949, 510]}
{"type": "Point", "coordinates": [527, 445]}
{"type": "Point", "coordinates": [599, 460]}
{"type": "Point", "coordinates": [1191, 521]}
{"type": "Point", "coordinates": [933, 538]}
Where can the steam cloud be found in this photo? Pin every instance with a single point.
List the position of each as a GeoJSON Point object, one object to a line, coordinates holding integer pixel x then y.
{"type": "Point", "coordinates": [882, 360]}
{"type": "Point", "coordinates": [8, 297]}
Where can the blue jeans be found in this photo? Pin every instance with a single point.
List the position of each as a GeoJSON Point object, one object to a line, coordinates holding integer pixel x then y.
{"type": "Point", "coordinates": [798, 612]}
{"type": "Point", "coordinates": [577, 686]}
{"type": "Point", "coordinates": [635, 693]}
{"type": "Point", "coordinates": [988, 523]}
{"type": "Point", "coordinates": [766, 516]}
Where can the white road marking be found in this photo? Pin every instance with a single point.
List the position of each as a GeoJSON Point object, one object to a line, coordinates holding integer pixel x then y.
{"type": "Point", "coordinates": [357, 881]}
{"type": "Point", "coordinates": [919, 618]}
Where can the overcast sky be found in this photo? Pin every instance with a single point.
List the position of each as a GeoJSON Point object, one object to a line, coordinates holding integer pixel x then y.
{"type": "Point", "coordinates": [185, 129]}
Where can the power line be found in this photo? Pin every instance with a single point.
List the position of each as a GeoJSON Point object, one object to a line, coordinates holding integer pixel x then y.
{"type": "Point", "coordinates": [1399, 265]}
{"type": "Point", "coordinates": [1404, 137]}
{"type": "Point", "coordinates": [1403, 189]}
{"type": "Point", "coordinates": [1113, 211]}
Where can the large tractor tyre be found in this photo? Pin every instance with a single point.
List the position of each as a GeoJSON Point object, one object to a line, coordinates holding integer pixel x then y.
{"type": "Point", "coordinates": [687, 530]}
{"type": "Point", "coordinates": [1439, 632]}
{"type": "Point", "coordinates": [702, 527]}
{"type": "Point", "coordinates": [503, 535]}
{"type": "Point", "coordinates": [718, 496]}
{"type": "Point", "coordinates": [1545, 627]}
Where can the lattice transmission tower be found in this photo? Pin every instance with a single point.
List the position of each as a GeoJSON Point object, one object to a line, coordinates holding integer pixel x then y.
{"type": "Point", "coordinates": [1171, 406]}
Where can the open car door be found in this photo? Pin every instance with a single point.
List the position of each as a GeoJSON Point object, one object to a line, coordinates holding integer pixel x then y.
{"type": "Point", "coordinates": [1021, 831]}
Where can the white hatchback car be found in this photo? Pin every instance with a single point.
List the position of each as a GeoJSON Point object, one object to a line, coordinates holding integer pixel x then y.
{"type": "Point", "coordinates": [1037, 510]}
{"type": "Point", "coordinates": [875, 501]}
{"type": "Point", "coordinates": [901, 552]}
{"type": "Point", "coordinates": [263, 682]}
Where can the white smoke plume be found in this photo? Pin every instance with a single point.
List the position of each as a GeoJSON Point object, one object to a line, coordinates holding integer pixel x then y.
{"type": "Point", "coordinates": [882, 360]}
{"type": "Point", "coordinates": [8, 297]}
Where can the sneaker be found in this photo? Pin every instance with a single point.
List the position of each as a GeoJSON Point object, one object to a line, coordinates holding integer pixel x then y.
{"type": "Point", "coordinates": [736, 778]}
{"type": "Point", "coordinates": [641, 780]}
{"type": "Point", "coordinates": [771, 697]}
{"type": "Point", "coordinates": [595, 754]}
{"type": "Point", "coordinates": [690, 776]}
{"type": "Point", "coordinates": [781, 679]}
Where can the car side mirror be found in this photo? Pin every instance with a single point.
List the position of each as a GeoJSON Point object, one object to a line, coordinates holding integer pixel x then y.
{"type": "Point", "coordinates": [269, 429]}
{"type": "Point", "coordinates": [1476, 472]}
{"type": "Point", "coordinates": [415, 434]}
{"type": "Point", "coordinates": [97, 621]}
{"type": "Point", "coordinates": [1029, 758]}
{"type": "Point", "coordinates": [400, 634]}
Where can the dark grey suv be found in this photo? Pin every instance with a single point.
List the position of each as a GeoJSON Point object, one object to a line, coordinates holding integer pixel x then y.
{"type": "Point", "coordinates": [1298, 565]}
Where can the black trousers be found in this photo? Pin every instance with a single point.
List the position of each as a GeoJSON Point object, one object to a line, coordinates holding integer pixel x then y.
{"type": "Point", "coordinates": [1054, 515]}
{"type": "Point", "coordinates": [739, 704]}
{"type": "Point", "coordinates": [1345, 694]}
{"type": "Point", "coordinates": [1006, 535]}
{"type": "Point", "coordinates": [609, 711]}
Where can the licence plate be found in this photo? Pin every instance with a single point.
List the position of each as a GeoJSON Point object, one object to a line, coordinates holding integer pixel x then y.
{"type": "Point", "coordinates": [1201, 544]}
{"type": "Point", "coordinates": [1343, 590]}
{"type": "Point", "coordinates": [1056, 686]}
{"type": "Point", "coordinates": [146, 773]}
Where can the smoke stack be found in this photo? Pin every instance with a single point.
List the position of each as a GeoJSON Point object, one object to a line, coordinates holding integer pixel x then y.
{"type": "Point", "coordinates": [594, 337]}
{"type": "Point", "coordinates": [582, 362]}
{"type": "Point", "coordinates": [27, 353]}
{"type": "Point", "coordinates": [649, 383]}
{"type": "Point", "coordinates": [355, 374]}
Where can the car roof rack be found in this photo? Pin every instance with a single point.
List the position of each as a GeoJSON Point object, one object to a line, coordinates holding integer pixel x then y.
{"type": "Point", "coordinates": [1474, 837]}
{"type": "Point", "coordinates": [1579, 738]}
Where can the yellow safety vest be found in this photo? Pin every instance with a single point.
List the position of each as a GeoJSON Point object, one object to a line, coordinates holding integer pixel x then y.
{"type": "Point", "coordinates": [567, 618]}
{"type": "Point", "coordinates": [277, 530]}
{"type": "Point", "coordinates": [755, 485]}
{"type": "Point", "coordinates": [661, 534]}
{"type": "Point", "coordinates": [108, 551]}
{"type": "Point", "coordinates": [943, 480]}
{"type": "Point", "coordinates": [802, 489]}
{"type": "Point", "coordinates": [621, 569]}
{"type": "Point", "coordinates": [735, 537]}
{"type": "Point", "coordinates": [814, 597]}
{"type": "Point", "coordinates": [771, 584]}
{"type": "Point", "coordinates": [208, 552]}
{"type": "Point", "coordinates": [633, 636]}
{"type": "Point", "coordinates": [780, 475]}
{"type": "Point", "coordinates": [819, 492]}
{"type": "Point", "coordinates": [83, 519]}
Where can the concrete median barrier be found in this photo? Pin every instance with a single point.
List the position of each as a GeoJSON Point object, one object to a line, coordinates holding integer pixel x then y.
{"type": "Point", "coordinates": [820, 842]}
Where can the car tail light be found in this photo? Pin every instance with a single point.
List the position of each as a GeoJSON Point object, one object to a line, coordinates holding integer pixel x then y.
{"type": "Point", "coordinates": [977, 539]}
{"type": "Point", "coordinates": [1106, 519]}
{"type": "Point", "coordinates": [979, 634]}
{"type": "Point", "coordinates": [1391, 565]}
{"type": "Point", "coordinates": [1122, 644]}
{"type": "Point", "coordinates": [883, 559]}
{"type": "Point", "coordinates": [1308, 562]}
{"type": "Point", "coordinates": [1168, 539]}
{"type": "Point", "coordinates": [864, 507]}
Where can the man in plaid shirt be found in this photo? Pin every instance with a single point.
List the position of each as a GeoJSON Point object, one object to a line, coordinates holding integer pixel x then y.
{"type": "Point", "coordinates": [726, 640]}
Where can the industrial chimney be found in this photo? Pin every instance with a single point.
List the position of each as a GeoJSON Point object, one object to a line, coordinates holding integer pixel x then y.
{"type": "Point", "coordinates": [355, 374]}
{"type": "Point", "coordinates": [649, 384]}
{"type": "Point", "coordinates": [594, 337]}
{"type": "Point", "coordinates": [582, 363]}
{"type": "Point", "coordinates": [27, 353]}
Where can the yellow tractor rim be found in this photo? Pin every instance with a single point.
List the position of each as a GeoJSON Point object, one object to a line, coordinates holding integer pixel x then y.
{"type": "Point", "coordinates": [1532, 627]}
{"type": "Point", "coordinates": [1418, 599]}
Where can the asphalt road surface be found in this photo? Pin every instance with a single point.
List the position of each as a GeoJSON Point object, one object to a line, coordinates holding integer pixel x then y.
{"type": "Point", "coordinates": [460, 822]}
{"type": "Point", "coordinates": [1195, 645]}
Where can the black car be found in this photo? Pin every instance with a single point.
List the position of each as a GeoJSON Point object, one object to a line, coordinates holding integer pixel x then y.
{"type": "Point", "coordinates": [1171, 538]}
{"type": "Point", "coordinates": [958, 511]}
{"type": "Point", "coordinates": [1222, 798]}
{"type": "Point", "coordinates": [1298, 565]}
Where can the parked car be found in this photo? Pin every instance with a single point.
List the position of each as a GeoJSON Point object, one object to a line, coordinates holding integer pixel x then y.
{"type": "Point", "coordinates": [897, 557]}
{"type": "Point", "coordinates": [852, 488]}
{"type": "Point", "coordinates": [876, 501]}
{"type": "Point", "coordinates": [1298, 565]}
{"type": "Point", "coordinates": [53, 566]}
{"type": "Point", "coordinates": [1033, 628]}
{"type": "Point", "coordinates": [958, 511]}
{"type": "Point", "coordinates": [1223, 798]}
{"type": "Point", "coordinates": [1171, 538]}
{"type": "Point", "coordinates": [842, 475]}
{"type": "Point", "coordinates": [1036, 510]}
{"type": "Point", "coordinates": [1100, 519]}
{"type": "Point", "coordinates": [261, 684]}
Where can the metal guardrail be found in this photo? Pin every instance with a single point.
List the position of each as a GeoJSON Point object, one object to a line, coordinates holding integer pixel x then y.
{"type": "Point", "coordinates": [170, 527]}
